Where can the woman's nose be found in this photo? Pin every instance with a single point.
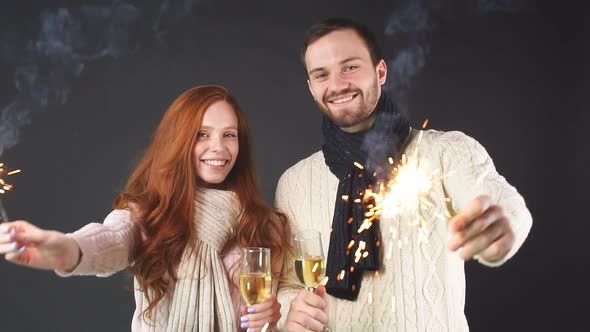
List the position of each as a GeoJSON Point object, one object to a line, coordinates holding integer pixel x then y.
{"type": "Point", "coordinates": [216, 143]}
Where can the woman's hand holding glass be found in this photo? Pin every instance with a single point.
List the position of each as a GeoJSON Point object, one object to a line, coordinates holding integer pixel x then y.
{"type": "Point", "coordinates": [262, 310]}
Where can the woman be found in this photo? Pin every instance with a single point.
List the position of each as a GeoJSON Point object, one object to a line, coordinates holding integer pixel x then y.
{"type": "Point", "coordinates": [187, 209]}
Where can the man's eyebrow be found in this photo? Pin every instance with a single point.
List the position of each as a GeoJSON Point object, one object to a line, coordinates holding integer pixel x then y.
{"type": "Point", "coordinates": [349, 59]}
{"type": "Point", "coordinates": [341, 62]}
{"type": "Point", "coordinates": [315, 70]}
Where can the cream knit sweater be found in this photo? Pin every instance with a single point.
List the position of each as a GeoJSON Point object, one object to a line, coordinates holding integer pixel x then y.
{"type": "Point", "coordinates": [203, 299]}
{"type": "Point", "coordinates": [421, 284]}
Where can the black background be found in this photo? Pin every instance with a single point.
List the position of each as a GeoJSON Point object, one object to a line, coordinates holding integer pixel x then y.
{"type": "Point", "coordinates": [514, 81]}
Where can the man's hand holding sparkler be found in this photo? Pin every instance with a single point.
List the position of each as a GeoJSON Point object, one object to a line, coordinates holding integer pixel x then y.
{"type": "Point", "coordinates": [28, 245]}
{"type": "Point", "coordinates": [481, 229]}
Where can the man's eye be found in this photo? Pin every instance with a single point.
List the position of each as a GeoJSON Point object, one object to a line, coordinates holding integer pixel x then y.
{"type": "Point", "coordinates": [350, 68]}
{"type": "Point", "coordinates": [320, 76]}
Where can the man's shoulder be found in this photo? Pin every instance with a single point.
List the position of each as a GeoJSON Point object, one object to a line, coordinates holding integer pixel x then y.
{"type": "Point", "coordinates": [436, 140]}
{"type": "Point", "coordinates": [439, 136]}
{"type": "Point", "coordinates": [313, 161]}
{"type": "Point", "coordinates": [446, 146]}
{"type": "Point", "coordinates": [292, 180]}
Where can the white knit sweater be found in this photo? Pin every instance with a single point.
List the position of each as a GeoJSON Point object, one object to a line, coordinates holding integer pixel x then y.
{"type": "Point", "coordinates": [203, 299]}
{"type": "Point", "coordinates": [421, 284]}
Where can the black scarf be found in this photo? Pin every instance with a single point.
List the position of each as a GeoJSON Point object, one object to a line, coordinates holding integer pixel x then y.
{"type": "Point", "coordinates": [371, 149]}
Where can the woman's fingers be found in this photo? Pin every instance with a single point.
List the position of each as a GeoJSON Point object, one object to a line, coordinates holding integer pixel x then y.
{"type": "Point", "coordinates": [18, 256]}
{"type": "Point", "coordinates": [10, 247]}
{"type": "Point", "coordinates": [6, 234]}
{"type": "Point", "coordinates": [27, 233]}
{"type": "Point", "coordinates": [8, 241]}
{"type": "Point", "coordinates": [22, 232]}
{"type": "Point", "coordinates": [262, 316]}
{"type": "Point", "coordinates": [25, 244]}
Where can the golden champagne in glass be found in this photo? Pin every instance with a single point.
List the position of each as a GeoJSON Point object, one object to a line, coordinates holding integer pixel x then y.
{"type": "Point", "coordinates": [309, 264]}
{"type": "Point", "coordinates": [255, 276]}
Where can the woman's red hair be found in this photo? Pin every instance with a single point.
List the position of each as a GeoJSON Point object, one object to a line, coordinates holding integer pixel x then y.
{"type": "Point", "coordinates": [161, 193]}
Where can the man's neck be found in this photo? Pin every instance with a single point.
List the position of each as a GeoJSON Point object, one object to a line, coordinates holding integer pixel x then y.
{"type": "Point", "coordinates": [364, 125]}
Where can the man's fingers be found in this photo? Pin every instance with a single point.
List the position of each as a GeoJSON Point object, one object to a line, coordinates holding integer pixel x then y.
{"type": "Point", "coordinates": [321, 292]}
{"type": "Point", "coordinates": [312, 299]}
{"type": "Point", "coordinates": [315, 314]}
{"type": "Point", "coordinates": [499, 248]}
{"type": "Point", "coordinates": [293, 326]}
{"type": "Point", "coordinates": [483, 240]}
{"type": "Point", "coordinates": [307, 312]}
{"type": "Point", "coordinates": [301, 321]}
{"type": "Point", "coordinates": [476, 227]}
{"type": "Point", "coordinates": [470, 212]}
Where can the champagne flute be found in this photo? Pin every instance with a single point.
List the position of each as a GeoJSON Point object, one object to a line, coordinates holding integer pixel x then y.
{"type": "Point", "coordinates": [310, 264]}
{"type": "Point", "coordinates": [255, 277]}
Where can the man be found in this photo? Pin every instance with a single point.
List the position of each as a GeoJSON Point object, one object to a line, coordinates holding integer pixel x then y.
{"type": "Point", "coordinates": [410, 276]}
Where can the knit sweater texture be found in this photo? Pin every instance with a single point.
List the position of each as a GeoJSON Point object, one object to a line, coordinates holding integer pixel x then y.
{"type": "Point", "coordinates": [205, 297]}
{"type": "Point", "coordinates": [421, 283]}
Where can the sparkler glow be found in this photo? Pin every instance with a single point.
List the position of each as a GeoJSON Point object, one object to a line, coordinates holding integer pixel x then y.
{"type": "Point", "coordinates": [406, 190]}
{"type": "Point", "coordinates": [5, 187]}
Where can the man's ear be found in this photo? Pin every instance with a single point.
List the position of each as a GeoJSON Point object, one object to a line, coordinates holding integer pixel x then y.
{"type": "Point", "coordinates": [381, 70]}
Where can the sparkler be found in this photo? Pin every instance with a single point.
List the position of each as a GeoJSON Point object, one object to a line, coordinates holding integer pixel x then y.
{"type": "Point", "coordinates": [406, 189]}
{"type": "Point", "coordinates": [4, 187]}
{"type": "Point", "coordinates": [3, 214]}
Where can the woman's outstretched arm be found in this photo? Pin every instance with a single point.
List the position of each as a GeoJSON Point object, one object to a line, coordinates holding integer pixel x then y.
{"type": "Point", "coordinates": [95, 249]}
{"type": "Point", "coordinates": [25, 244]}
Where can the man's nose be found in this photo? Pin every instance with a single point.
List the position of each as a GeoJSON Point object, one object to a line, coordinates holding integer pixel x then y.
{"type": "Point", "coordinates": [338, 83]}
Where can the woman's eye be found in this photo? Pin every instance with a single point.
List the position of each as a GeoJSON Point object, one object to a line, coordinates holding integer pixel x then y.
{"type": "Point", "coordinates": [202, 134]}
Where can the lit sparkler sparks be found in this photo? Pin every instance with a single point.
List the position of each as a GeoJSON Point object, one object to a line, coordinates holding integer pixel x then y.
{"type": "Point", "coordinates": [406, 189]}
{"type": "Point", "coordinates": [5, 187]}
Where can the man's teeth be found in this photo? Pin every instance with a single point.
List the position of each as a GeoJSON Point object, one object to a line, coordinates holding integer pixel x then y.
{"type": "Point", "coordinates": [215, 162]}
{"type": "Point", "coordinates": [342, 100]}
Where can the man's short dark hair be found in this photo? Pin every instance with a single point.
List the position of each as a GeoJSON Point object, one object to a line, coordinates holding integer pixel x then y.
{"type": "Point", "coordinates": [327, 26]}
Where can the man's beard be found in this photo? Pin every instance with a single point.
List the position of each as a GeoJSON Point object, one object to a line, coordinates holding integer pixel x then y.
{"type": "Point", "coordinates": [348, 117]}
